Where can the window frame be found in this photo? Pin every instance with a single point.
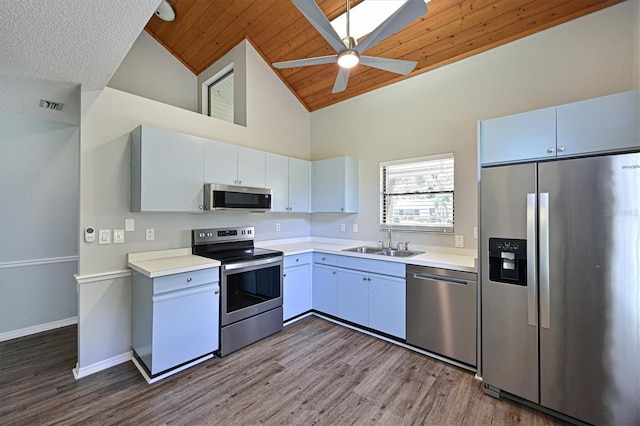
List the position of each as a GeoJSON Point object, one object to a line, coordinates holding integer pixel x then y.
{"type": "Point", "coordinates": [439, 228]}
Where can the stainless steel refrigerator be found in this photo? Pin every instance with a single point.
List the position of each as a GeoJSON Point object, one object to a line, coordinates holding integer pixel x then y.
{"type": "Point", "coordinates": [560, 285]}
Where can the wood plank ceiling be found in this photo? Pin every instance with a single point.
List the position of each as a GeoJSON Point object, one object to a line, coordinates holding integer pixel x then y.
{"type": "Point", "coordinates": [204, 30]}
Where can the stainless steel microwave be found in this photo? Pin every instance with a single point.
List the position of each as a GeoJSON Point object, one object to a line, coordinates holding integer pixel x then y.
{"type": "Point", "coordinates": [230, 197]}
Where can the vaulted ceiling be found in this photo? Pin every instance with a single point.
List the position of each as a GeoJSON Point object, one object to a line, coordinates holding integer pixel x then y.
{"type": "Point", "coordinates": [204, 30]}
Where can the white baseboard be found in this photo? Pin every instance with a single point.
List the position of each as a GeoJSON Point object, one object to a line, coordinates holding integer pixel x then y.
{"type": "Point", "coordinates": [79, 373]}
{"type": "Point", "coordinates": [168, 373]}
{"type": "Point", "coordinates": [14, 334]}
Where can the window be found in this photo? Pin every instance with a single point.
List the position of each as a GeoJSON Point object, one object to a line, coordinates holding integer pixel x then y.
{"type": "Point", "coordinates": [417, 194]}
{"type": "Point", "coordinates": [221, 97]}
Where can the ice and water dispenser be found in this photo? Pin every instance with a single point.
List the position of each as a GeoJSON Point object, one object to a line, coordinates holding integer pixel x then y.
{"type": "Point", "coordinates": [508, 261]}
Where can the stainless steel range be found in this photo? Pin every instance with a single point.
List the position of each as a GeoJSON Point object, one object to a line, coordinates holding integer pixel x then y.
{"type": "Point", "coordinates": [250, 281]}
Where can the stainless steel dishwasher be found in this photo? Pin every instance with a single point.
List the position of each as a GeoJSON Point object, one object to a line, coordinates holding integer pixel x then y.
{"type": "Point", "coordinates": [442, 312]}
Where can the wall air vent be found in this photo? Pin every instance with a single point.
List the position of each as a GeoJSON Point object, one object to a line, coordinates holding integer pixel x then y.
{"type": "Point", "coordinates": [56, 106]}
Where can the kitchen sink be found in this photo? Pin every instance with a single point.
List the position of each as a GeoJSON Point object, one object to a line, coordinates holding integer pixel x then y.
{"type": "Point", "coordinates": [365, 249]}
{"type": "Point", "coordinates": [383, 252]}
{"type": "Point", "coordinates": [399, 253]}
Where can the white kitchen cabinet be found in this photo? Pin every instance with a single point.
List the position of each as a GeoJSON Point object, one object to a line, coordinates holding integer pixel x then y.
{"type": "Point", "coordinates": [519, 137]}
{"type": "Point", "coordinates": [607, 123]}
{"type": "Point", "coordinates": [175, 318]}
{"type": "Point", "coordinates": [353, 296]}
{"type": "Point", "coordinates": [289, 180]}
{"type": "Point", "coordinates": [166, 171]}
{"type": "Point", "coordinates": [233, 165]}
{"type": "Point", "coordinates": [387, 305]}
{"type": "Point", "coordinates": [299, 185]}
{"type": "Point", "coordinates": [324, 289]}
{"type": "Point", "coordinates": [296, 285]}
{"type": "Point", "coordinates": [335, 185]}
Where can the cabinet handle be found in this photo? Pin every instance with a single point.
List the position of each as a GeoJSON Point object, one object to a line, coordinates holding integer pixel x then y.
{"type": "Point", "coordinates": [561, 148]}
{"type": "Point", "coordinates": [284, 275]}
{"type": "Point", "coordinates": [239, 182]}
{"type": "Point", "coordinates": [550, 150]}
{"type": "Point", "coordinates": [368, 279]}
{"type": "Point", "coordinates": [324, 258]}
{"type": "Point", "coordinates": [200, 207]}
{"type": "Point", "coordinates": [297, 260]}
{"type": "Point", "coordinates": [216, 292]}
{"type": "Point", "coordinates": [341, 209]}
{"type": "Point", "coordinates": [364, 278]}
{"type": "Point", "coordinates": [189, 279]}
{"type": "Point", "coordinates": [334, 272]}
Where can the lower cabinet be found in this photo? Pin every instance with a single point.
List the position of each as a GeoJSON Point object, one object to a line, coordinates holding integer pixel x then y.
{"type": "Point", "coordinates": [388, 305]}
{"type": "Point", "coordinates": [296, 286]}
{"type": "Point", "coordinates": [175, 318]}
{"type": "Point", "coordinates": [353, 297]}
{"type": "Point", "coordinates": [324, 289]}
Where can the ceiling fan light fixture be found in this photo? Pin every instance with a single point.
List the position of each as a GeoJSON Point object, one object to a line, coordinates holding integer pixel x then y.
{"type": "Point", "coordinates": [348, 59]}
{"type": "Point", "coordinates": [165, 11]}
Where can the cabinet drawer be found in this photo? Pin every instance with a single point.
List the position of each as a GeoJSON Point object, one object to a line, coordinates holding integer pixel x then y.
{"type": "Point", "coordinates": [394, 269]}
{"type": "Point", "coordinates": [185, 280]}
{"type": "Point", "coordinates": [297, 259]}
{"type": "Point", "coordinates": [326, 259]}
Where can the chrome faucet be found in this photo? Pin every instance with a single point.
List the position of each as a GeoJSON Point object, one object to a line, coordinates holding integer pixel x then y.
{"type": "Point", "coordinates": [389, 238]}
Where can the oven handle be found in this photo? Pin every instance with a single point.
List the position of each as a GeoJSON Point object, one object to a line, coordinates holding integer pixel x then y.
{"type": "Point", "coordinates": [260, 262]}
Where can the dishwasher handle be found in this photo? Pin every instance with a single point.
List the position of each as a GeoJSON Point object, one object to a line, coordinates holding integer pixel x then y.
{"type": "Point", "coordinates": [430, 277]}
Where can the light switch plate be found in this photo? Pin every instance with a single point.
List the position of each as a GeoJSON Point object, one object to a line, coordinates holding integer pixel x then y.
{"type": "Point", "coordinates": [104, 236]}
{"type": "Point", "coordinates": [118, 236]}
{"type": "Point", "coordinates": [354, 227]}
{"type": "Point", "coordinates": [129, 225]}
{"type": "Point", "coordinates": [343, 227]}
{"type": "Point", "coordinates": [150, 234]}
{"type": "Point", "coordinates": [459, 241]}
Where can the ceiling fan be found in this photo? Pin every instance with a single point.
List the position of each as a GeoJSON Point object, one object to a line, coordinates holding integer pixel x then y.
{"type": "Point", "coordinates": [348, 52]}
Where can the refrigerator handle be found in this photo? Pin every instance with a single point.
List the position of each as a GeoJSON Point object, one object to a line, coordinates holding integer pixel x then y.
{"type": "Point", "coordinates": [531, 259]}
{"type": "Point", "coordinates": [545, 316]}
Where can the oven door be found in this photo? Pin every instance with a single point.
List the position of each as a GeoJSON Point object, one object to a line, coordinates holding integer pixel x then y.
{"type": "Point", "coordinates": [249, 288]}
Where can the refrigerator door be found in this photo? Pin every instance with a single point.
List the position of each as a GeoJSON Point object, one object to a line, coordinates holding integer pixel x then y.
{"type": "Point", "coordinates": [590, 288]}
{"type": "Point", "coordinates": [509, 332]}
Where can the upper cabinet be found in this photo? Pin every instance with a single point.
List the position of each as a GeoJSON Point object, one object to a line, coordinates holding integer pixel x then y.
{"type": "Point", "coordinates": [335, 185]}
{"type": "Point", "coordinates": [605, 124]}
{"type": "Point", "coordinates": [166, 171]}
{"type": "Point", "coordinates": [290, 182]}
{"type": "Point", "coordinates": [608, 123]}
{"type": "Point", "coordinates": [519, 137]}
{"type": "Point", "coordinates": [233, 165]}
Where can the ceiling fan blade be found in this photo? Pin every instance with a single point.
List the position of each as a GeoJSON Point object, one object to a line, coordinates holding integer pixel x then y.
{"type": "Point", "coordinates": [397, 66]}
{"type": "Point", "coordinates": [313, 13]}
{"type": "Point", "coordinates": [331, 59]}
{"type": "Point", "coordinates": [341, 80]}
{"type": "Point", "coordinates": [408, 12]}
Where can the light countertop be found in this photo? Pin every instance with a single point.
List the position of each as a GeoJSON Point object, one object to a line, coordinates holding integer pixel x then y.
{"type": "Point", "coordinates": [430, 257]}
{"type": "Point", "coordinates": [154, 264]}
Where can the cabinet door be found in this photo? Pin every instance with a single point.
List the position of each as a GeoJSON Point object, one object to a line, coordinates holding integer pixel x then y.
{"type": "Point", "coordinates": [299, 185]}
{"type": "Point", "coordinates": [166, 171]}
{"type": "Point", "coordinates": [353, 296]}
{"type": "Point", "coordinates": [185, 326]}
{"type": "Point", "coordinates": [335, 185]}
{"type": "Point", "coordinates": [277, 179]}
{"type": "Point", "coordinates": [297, 291]}
{"type": "Point", "coordinates": [607, 123]}
{"type": "Point", "coordinates": [220, 162]}
{"type": "Point", "coordinates": [251, 167]}
{"type": "Point", "coordinates": [387, 305]}
{"type": "Point", "coordinates": [324, 288]}
{"type": "Point", "coordinates": [520, 137]}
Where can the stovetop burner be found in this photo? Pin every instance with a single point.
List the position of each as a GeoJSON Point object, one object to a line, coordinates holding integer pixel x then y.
{"type": "Point", "coordinates": [229, 245]}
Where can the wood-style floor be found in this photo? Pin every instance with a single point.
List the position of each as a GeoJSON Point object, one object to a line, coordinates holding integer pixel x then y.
{"type": "Point", "coordinates": [314, 372]}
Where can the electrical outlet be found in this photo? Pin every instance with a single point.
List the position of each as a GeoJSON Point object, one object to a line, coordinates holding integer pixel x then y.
{"type": "Point", "coordinates": [118, 236]}
{"type": "Point", "coordinates": [459, 241]}
{"type": "Point", "coordinates": [343, 227]}
{"type": "Point", "coordinates": [150, 234]}
{"type": "Point", "coordinates": [354, 227]}
{"type": "Point", "coordinates": [277, 227]}
{"type": "Point", "coordinates": [475, 233]}
{"type": "Point", "coordinates": [104, 236]}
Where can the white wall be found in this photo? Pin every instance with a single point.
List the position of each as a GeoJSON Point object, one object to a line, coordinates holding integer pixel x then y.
{"type": "Point", "coordinates": [108, 117]}
{"type": "Point", "coordinates": [39, 174]}
{"type": "Point", "coordinates": [438, 111]}
{"type": "Point", "coordinates": [149, 70]}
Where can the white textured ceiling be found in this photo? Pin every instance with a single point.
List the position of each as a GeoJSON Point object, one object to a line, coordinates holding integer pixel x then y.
{"type": "Point", "coordinates": [65, 43]}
